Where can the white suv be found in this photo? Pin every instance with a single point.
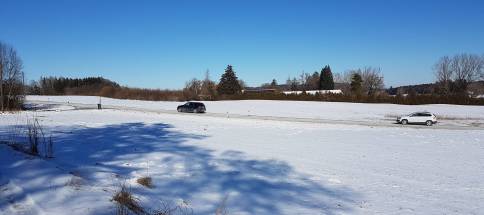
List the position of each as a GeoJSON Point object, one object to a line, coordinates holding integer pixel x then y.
{"type": "Point", "coordinates": [418, 118]}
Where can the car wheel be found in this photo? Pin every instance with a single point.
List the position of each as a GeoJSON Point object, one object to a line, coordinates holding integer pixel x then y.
{"type": "Point", "coordinates": [178, 109]}
{"type": "Point", "coordinates": [429, 123]}
{"type": "Point", "coordinates": [404, 122]}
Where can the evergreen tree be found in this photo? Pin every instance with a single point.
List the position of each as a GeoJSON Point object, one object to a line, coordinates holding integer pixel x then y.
{"type": "Point", "coordinates": [326, 81]}
{"type": "Point", "coordinates": [356, 81]}
{"type": "Point", "coordinates": [229, 83]}
{"type": "Point", "coordinates": [274, 83]}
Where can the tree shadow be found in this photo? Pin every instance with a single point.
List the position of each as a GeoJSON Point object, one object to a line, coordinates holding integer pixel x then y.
{"type": "Point", "coordinates": [191, 172]}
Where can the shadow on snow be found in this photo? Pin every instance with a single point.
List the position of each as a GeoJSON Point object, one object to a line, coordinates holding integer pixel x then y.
{"type": "Point", "coordinates": [193, 172]}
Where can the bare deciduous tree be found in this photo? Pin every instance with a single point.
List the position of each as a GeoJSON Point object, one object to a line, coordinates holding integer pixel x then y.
{"type": "Point", "coordinates": [293, 83]}
{"type": "Point", "coordinates": [304, 79]}
{"type": "Point", "coordinates": [209, 88]}
{"type": "Point", "coordinates": [338, 77]}
{"type": "Point", "coordinates": [11, 77]}
{"type": "Point", "coordinates": [456, 73]}
{"type": "Point", "coordinates": [372, 80]}
{"type": "Point", "coordinates": [344, 80]}
{"type": "Point", "coordinates": [192, 89]}
{"type": "Point", "coordinates": [314, 81]}
{"type": "Point", "coordinates": [467, 67]}
{"type": "Point", "coordinates": [442, 69]}
{"type": "Point", "coordinates": [443, 73]}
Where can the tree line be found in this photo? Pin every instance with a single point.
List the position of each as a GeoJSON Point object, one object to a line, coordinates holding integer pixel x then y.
{"type": "Point", "coordinates": [97, 86]}
{"type": "Point", "coordinates": [62, 85]}
{"type": "Point", "coordinates": [306, 81]}
{"type": "Point", "coordinates": [207, 89]}
{"type": "Point", "coordinates": [358, 85]}
{"type": "Point", "coordinates": [361, 81]}
{"type": "Point", "coordinates": [454, 75]}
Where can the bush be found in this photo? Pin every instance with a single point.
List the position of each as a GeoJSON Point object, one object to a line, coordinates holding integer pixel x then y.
{"type": "Point", "coordinates": [126, 202]}
{"type": "Point", "coordinates": [36, 138]}
{"type": "Point", "coordinates": [145, 181]}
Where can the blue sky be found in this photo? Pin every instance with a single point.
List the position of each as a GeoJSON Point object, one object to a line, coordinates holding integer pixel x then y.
{"type": "Point", "coordinates": [162, 44]}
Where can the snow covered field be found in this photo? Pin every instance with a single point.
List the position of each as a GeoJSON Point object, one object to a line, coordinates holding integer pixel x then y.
{"type": "Point", "coordinates": [297, 109]}
{"type": "Point", "coordinates": [259, 166]}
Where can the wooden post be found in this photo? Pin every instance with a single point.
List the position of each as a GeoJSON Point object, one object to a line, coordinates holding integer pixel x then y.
{"type": "Point", "coordinates": [99, 104]}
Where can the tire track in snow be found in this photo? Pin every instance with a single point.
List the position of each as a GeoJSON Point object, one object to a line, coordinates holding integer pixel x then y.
{"type": "Point", "coordinates": [376, 123]}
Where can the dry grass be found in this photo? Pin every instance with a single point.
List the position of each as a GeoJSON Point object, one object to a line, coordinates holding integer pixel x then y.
{"type": "Point", "coordinates": [145, 181]}
{"type": "Point", "coordinates": [126, 202]}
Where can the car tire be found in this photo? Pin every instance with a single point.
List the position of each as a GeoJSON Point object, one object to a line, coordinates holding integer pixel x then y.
{"type": "Point", "coordinates": [429, 123]}
{"type": "Point", "coordinates": [404, 122]}
{"type": "Point", "coordinates": [179, 110]}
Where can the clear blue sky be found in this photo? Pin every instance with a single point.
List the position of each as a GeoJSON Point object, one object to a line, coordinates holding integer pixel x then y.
{"type": "Point", "coordinates": [162, 44]}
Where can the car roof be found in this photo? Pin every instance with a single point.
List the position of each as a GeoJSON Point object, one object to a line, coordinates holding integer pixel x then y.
{"type": "Point", "coordinates": [422, 112]}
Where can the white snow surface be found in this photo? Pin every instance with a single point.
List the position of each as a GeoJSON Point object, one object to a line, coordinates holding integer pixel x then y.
{"type": "Point", "coordinates": [299, 109]}
{"type": "Point", "coordinates": [259, 166]}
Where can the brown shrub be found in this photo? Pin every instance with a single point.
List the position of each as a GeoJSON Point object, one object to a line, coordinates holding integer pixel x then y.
{"type": "Point", "coordinates": [125, 201]}
{"type": "Point", "coordinates": [145, 181]}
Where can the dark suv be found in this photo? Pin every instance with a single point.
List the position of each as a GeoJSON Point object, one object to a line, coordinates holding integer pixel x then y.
{"type": "Point", "coordinates": [192, 107]}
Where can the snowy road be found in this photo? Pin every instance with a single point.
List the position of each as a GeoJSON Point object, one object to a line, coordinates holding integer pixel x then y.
{"type": "Point", "coordinates": [454, 124]}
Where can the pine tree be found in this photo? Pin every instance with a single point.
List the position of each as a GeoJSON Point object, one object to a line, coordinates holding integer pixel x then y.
{"type": "Point", "coordinates": [274, 83]}
{"type": "Point", "coordinates": [356, 81]}
{"type": "Point", "coordinates": [326, 81]}
{"type": "Point", "coordinates": [229, 83]}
